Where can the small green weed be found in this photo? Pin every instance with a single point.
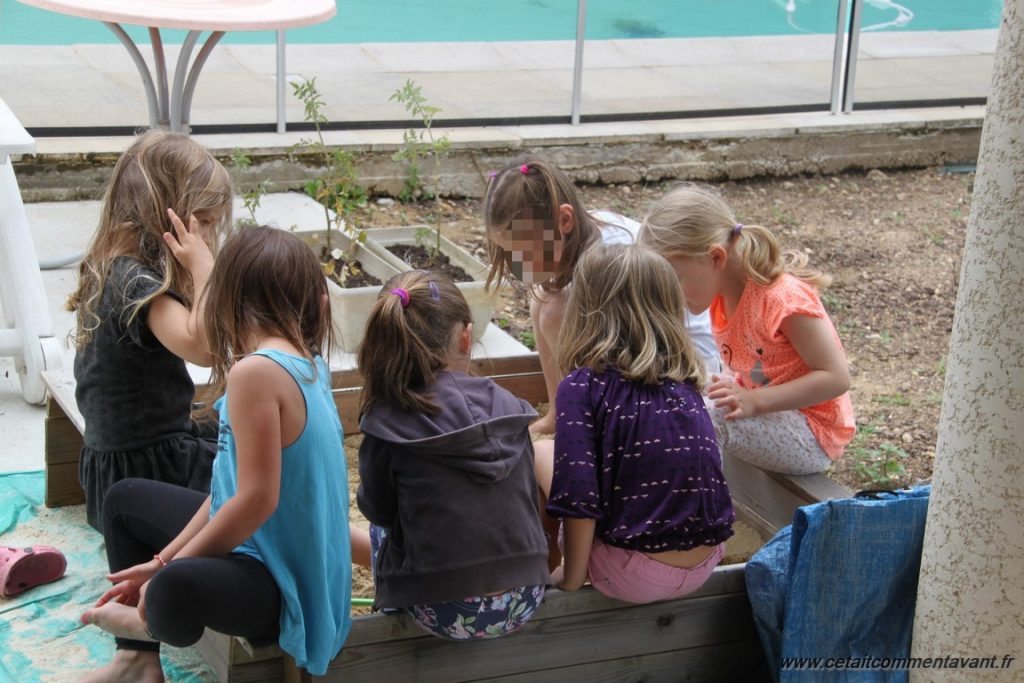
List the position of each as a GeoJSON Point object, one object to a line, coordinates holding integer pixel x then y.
{"type": "Point", "coordinates": [878, 467]}
{"type": "Point", "coordinates": [832, 302]}
{"type": "Point", "coordinates": [418, 145]}
{"type": "Point", "coordinates": [891, 399]}
{"type": "Point", "coordinates": [252, 193]}
{"type": "Point", "coordinates": [527, 339]}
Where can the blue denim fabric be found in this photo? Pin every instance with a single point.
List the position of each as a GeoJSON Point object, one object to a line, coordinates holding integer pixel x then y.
{"type": "Point", "coordinates": [841, 582]}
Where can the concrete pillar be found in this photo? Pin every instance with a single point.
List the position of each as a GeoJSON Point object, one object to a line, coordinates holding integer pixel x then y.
{"type": "Point", "coordinates": [970, 601]}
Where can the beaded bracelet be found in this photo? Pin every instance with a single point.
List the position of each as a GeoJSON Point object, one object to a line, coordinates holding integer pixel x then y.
{"type": "Point", "coordinates": [160, 560]}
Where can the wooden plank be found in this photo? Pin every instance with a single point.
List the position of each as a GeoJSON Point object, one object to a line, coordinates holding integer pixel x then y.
{"type": "Point", "coordinates": [61, 387]}
{"type": "Point", "coordinates": [759, 524]}
{"type": "Point", "coordinates": [231, 664]}
{"type": "Point", "coordinates": [761, 494]}
{"type": "Point", "coordinates": [347, 403]}
{"type": "Point", "coordinates": [62, 485]}
{"type": "Point", "coordinates": [529, 387]}
{"type": "Point", "coordinates": [378, 628]}
{"type": "Point", "coordinates": [490, 367]}
{"type": "Point", "coordinates": [62, 440]}
{"type": "Point", "coordinates": [625, 631]}
{"type": "Point", "coordinates": [813, 488]}
{"type": "Point", "coordinates": [726, 662]}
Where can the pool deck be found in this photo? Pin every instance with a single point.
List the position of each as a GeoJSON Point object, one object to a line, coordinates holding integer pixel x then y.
{"type": "Point", "coordinates": [97, 85]}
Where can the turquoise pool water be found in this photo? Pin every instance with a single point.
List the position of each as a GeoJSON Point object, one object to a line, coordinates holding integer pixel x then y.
{"type": "Point", "coordinates": [408, 21]}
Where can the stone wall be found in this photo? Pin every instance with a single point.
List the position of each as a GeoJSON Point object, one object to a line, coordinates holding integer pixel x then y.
{"type": "Point", "coordinates": [606, 159]}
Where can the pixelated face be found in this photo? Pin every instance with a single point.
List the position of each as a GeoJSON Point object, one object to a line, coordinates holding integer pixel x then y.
{"type": "Point", "coordinates": [532, 245]}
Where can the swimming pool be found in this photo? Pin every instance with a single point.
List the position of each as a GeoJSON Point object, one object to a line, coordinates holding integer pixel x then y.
{"type": "Point", "coordinates": [410, 21]}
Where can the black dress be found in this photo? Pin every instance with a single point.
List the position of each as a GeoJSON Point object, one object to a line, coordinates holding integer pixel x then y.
{"type": "Point", "coordinates": [136, 398]}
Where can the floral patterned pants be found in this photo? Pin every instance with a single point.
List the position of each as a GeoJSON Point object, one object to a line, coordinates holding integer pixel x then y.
{"type": "Point", "coordinates": [475, 618]}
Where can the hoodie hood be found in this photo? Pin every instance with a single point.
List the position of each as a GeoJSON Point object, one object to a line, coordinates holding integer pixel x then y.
{"type": "Point", "coordinates": [479, 429]}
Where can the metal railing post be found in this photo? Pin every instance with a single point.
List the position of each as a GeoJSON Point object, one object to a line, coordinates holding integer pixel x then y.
{"type": "Point", "coordinates": [851, 56]}
{"type": "Point", "coordinates": [836, 97]}
{"type": "Point", "coordinates": [577, 73]}
{"type": "Point", "coordinates": [282, 79]}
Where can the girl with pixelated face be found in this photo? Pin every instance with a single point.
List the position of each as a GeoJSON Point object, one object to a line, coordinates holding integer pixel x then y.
{"type": "Point", "coordinates": [785, 407]}
{"type": "Point", "coordinates": [139, 319]}
{"type": "Point", "coordinates": [634, 472]}
{"type": "Point", "coordinates": [537, 229]}
{"type": "Point", "coordinates": [266, 554]}
{"type": "Point", "coordinates": [446, 470]}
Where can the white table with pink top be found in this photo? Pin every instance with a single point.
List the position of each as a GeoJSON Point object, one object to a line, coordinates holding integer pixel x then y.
{"type": "Point", "coordinates": [170, 101]}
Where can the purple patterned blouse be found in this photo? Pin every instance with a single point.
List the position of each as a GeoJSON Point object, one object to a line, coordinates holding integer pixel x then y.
{"type": "Point", "coordinates": [640, 459]}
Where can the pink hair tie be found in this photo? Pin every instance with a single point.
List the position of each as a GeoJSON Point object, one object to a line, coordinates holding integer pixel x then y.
{"type": "Point", "coordinates": [403, 295]}
{"type": "Point", "coordinates": [524, 169]}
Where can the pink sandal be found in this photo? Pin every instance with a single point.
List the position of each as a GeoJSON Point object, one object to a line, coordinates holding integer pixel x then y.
{"type": "Point", "coordinates": [24, 568]}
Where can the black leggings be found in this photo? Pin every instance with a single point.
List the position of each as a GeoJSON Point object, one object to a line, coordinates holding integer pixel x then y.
{"type": "Point", "coordinates": [234, 594]}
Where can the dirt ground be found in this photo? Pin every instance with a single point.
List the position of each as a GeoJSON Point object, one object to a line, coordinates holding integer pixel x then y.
{"type": "Point", "coordinates": [892, 242]}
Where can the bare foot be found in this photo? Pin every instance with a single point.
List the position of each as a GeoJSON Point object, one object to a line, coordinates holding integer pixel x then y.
{"type": "Point", "coordinates": [129, 666]}
{"type": "Point", "coordinates": [119, 620]}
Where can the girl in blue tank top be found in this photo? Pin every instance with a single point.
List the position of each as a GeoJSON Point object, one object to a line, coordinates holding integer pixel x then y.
{"type": "Point", "coordinates": [267, 553]}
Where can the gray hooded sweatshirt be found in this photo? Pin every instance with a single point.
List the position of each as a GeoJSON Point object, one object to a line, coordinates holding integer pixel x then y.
{"type": "Point", "coordinates": [456, 492]}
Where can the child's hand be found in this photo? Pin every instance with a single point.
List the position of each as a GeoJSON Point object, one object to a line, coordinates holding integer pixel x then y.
{"type": "Point", "coordinates": [128, 582]}
{"type": "Point", "coordinates": [187, 244]}
{"type": "Point", "coordinates": [736, 401]}
{"type": "Point", "coordinates": [558, 576]}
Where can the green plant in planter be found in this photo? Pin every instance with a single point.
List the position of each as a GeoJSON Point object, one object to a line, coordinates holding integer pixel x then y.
{"type": "Point", "coordinates": [252, 193]}
{"type": "Point", "coordinates": [419, 144]}
{"type": "Point", "coordinates": [337, 188]}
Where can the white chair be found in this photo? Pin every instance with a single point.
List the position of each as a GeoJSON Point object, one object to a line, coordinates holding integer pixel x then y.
{"type": "Point", "coordinates": [26, 330]}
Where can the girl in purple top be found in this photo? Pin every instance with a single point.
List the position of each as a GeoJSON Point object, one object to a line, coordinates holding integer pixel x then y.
{"type": "Point", "coordinates": [634, 469]}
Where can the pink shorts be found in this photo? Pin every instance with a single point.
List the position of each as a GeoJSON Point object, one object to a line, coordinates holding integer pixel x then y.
{"type": "Point", "coordinates": [632, 576]}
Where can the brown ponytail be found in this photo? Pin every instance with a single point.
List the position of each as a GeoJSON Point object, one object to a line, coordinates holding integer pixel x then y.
{"type": "Point", "coordinates": [409, 338]}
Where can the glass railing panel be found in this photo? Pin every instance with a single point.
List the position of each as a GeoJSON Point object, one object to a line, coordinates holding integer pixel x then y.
{"type": "Point", "coordinates": [708, 55]}
{"type": "Point", "coordinates": [916, 51]}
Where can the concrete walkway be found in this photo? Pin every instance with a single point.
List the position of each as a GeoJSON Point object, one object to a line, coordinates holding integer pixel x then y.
{"type": "Point", "coordinates": [97, 85]}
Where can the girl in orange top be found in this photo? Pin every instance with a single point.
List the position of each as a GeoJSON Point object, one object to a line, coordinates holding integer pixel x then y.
{"type": "Point", "coordinates": [786, 407]}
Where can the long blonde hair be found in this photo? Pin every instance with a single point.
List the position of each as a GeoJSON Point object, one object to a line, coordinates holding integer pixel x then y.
{"type": "Point", "coordinates": [265, 281]}
{"type": "Point", "coordinates": [408, 339]}
{"type": "Point", "coordinates": [537, 186]}
{"type": "Point", "coordinates": [627, 313]}
{"type": "Point", "coordinates": [160, 170]}
{"type": "Point", "coordinates": [691, 218]}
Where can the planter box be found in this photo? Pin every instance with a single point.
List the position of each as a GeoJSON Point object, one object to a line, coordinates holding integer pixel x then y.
{"type": "Point", "coordinates": [350, 308]}
{"type": "Point", "coordinates": [481, 303]}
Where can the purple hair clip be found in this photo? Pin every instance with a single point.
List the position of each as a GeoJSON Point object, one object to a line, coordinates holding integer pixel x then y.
{"type": "Point", "coordinates": [492, 175]}
{"type": "Point", "coordinates": [524, 169]}
{"type": "Point", "coordinates": [403, 295]}
{"type": "Point", "coordinates": [434, 294]}
{"type": "Point", "coordinates": [737, 229]}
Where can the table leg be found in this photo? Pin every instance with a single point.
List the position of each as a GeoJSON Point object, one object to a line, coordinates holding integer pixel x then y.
{"type": "Point", "coordinates": [160, 68]}
{"type": "Point", "coordinates": [140, 64]}
{"type": "Point", "coordinates": [173, 114]}
{"type": "Point", "coordinates": [193, 77]}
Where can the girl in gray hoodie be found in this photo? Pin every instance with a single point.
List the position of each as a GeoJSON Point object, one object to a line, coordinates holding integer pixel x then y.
{"type": "Point", "coordinates": [446, 470]}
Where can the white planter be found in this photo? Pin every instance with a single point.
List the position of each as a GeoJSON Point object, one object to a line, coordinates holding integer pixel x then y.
{"type": "Point", "coordinates": [481, 303]}
{"type": "Point", "coordinates": [350, 308]}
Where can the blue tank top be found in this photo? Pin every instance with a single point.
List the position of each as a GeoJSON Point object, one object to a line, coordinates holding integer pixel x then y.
{"type": "Point", "coordinates": [305, 543]}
